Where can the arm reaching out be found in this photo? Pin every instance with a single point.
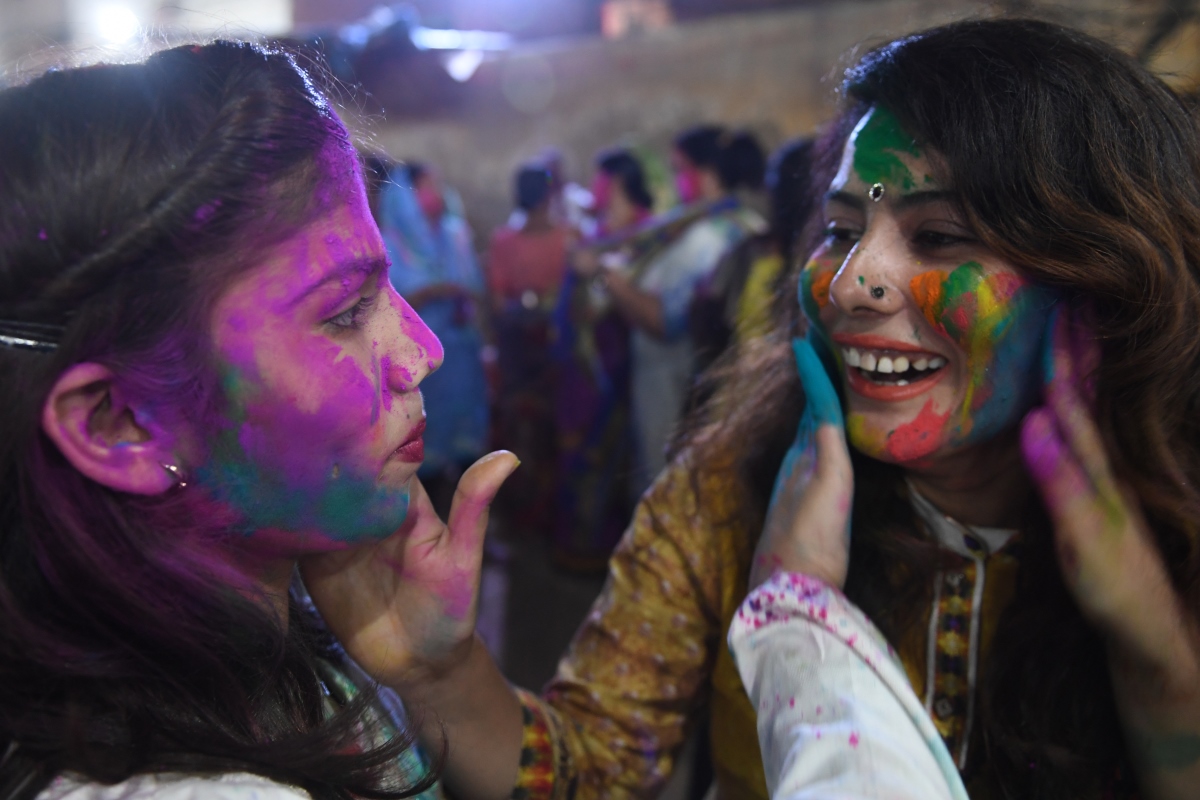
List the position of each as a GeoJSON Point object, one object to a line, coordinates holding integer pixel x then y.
{"type": "Point", "coordinates": [405, 610]}
{"type": "Point", "coordinates": [1116, 573]}
{"type": "Point", "coordinates": [808, 523]}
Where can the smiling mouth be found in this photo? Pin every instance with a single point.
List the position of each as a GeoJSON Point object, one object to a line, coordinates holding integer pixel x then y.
{"type": "Point", "coordinates": [890, 368]}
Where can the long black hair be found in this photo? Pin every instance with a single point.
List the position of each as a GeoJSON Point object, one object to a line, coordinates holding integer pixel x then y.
{"type": "Point", "coordinates": [130, 195]}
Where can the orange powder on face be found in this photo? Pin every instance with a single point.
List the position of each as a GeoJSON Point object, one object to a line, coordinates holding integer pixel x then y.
{"type": "Point", "coordinates": [820, 287]}
{"type": "Point", "coordinates": [928, 290]}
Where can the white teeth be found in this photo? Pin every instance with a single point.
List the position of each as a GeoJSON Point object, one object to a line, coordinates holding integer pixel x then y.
{"type": "Point", "coordinates": [902, 382]}
{"type": "Point", "coordinates": [869, 362]}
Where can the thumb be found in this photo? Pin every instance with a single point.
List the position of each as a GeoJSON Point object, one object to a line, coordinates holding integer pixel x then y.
{"type": "Point", "coordinates": [474, 494]}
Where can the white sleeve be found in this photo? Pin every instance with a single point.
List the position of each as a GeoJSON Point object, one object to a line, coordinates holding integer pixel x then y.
{"type": "Point", "coordinates": [837, 718]}
{"type": "Point", "coordinates": [231, 786]}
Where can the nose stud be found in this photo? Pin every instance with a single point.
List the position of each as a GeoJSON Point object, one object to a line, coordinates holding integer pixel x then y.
{"type": "Point", "coordinates": [176, 473]}
{"type": "Point", "coordinates": [878, 292]}
{"type": "Point", "coordinates": [875, 192]}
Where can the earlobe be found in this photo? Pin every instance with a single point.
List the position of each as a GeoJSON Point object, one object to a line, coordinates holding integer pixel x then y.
{"type": "Point", "coordinates": [103, 435]}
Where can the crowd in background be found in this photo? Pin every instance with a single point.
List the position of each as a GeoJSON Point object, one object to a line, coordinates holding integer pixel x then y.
{"type": "Point", "coordinates": [582, 327]}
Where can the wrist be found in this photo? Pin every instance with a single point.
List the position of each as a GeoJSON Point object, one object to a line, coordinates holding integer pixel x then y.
{"type": "Point", "coordinates": [427, 681]}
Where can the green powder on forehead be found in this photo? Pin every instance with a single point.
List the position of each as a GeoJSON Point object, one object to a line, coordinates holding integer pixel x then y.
{"type": "Point", "coordinates": [876, 148]}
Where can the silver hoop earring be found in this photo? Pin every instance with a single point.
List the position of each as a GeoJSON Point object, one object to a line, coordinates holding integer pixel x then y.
{"type": "Point", "coordinates": [176, 473]}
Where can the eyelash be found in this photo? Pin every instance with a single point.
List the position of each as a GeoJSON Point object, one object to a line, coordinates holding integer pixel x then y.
{"type": "Point", "coordinates": [936, 239]}
{"type": "Point", "coordinates": [353, 317]}
{"type": "Point", "coordinates": [840, 234]}
{"type": "Point", "coordinates": [930, 240]}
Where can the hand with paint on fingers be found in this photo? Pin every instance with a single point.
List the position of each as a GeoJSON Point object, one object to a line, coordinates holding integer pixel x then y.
{"type": "Point", "coordinates": [404, 608]}
{"type": "Point", "coordinates": [808, 523]}
{"type": "Point", "coordinates": [1114, 569]}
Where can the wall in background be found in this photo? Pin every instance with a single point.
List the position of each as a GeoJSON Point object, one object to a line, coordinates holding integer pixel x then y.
{"type": "Point", "coordinates": [773, 72]}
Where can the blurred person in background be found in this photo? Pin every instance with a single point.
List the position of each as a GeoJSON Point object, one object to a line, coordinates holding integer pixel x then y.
{"type": "Point", "coordinates": [734, 303]}
{"type": "Point", "coordinates": [592, 405]}
{"type": "Point", "coordinates": [435, 270]}
{"type": "Point", "coordinates": [525, 269]}
{"type": "Point", "coordinates": [654, 287]}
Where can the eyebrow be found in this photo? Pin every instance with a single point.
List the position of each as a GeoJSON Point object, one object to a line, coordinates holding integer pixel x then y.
{"type": "Point", "coordinates": [901, 203]}
{"type": "Point", "coordinates": [342, 271]}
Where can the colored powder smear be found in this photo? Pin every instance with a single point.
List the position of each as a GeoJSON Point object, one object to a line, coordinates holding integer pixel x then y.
{"type": "Point", "coordinates": [909, 442]}
{"type": "Point", "coordinates": [998, 319]}
{"type": "Point", "coordinates": [274, 487]}
{"type": "Point", "coordinates": [878, 142]}
{"type": "Point", "coordinates": [815, 282]}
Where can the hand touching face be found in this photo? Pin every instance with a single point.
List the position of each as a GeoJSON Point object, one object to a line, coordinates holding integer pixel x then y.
{"type": "Point", "coordinates": [936, 337]}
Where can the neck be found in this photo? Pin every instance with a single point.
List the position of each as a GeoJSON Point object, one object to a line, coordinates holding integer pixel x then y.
{"type": "Point", "coordinates": [537, 220]}
{"type": "Point", "coordinates": [267, 578]}
{"type": "Point", "coordinates": [711, 189]}
{"type": "Point", "coordinates": [984, 485]}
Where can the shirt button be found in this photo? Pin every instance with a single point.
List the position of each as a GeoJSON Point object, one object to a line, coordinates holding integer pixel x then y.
{"type": "Point", "coordinates": [956, 579]}
{"type": "Point", "coordinates": [943, 708]}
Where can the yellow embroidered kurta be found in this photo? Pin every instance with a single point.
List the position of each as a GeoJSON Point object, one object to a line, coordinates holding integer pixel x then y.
{"type": "Point", "coordinates": [651, 656]}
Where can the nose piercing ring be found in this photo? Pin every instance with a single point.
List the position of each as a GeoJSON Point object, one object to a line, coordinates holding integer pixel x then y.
{"type": "Point", "coordinates": [877, 292]}
{"type": "Point", "coordinates": [875, 192]}
{"type": "Point", "coordinates": [176, 473]}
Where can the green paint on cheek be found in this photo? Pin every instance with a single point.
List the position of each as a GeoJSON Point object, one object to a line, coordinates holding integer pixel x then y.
{"type": "Point", "coordinates": [877, 146]}
{"type": "Point", "coordinates": [861, 280]}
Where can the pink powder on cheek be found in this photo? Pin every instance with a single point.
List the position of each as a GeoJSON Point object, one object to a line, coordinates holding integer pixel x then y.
{"type": "Point", "coordinates": [300, 434]}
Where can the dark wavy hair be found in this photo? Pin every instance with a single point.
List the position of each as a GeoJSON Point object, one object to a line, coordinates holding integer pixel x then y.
{"type": "Point", "coordinates": [1074, 163]}
{"type": "Point", "coordinates": [130, 195]}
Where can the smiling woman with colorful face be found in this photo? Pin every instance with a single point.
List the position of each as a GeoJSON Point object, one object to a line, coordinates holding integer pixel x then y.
{"type": "Point", "coordinates": [1002, 307]}
{"type": "Point", "coordinates": [937, 339]}
{"type": "Point", "coordinates": [210, 383]}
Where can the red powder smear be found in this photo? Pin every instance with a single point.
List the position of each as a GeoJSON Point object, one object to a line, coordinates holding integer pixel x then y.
{"type": "Point", "coordinates": [854, 740]}
{"type": "Point", "coordinates": [1005, 284]}
{"type": "Point", "coordinates": [927, 289]}
{"type": "Point", "coordinates": [820, 288]}
{"type": "Point", "coordinates": [912, 439]}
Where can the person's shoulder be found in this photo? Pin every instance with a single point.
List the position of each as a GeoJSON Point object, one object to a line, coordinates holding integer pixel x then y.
{"type": "Point", "coordinates": [504, 235]}
{"type": "Point", "coordinates": [700, 479]}
{"type": "Point", "coordinates": [230, 786]}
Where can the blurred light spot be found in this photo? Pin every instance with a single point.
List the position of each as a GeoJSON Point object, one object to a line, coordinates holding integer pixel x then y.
{"type": "Point", "coordinates": [462, 65]}
{"type": "Point", "coordinates": [528, 84]}
{"type": "Point", "coordinates": [116, 24]}
{"type": "Point", "coordinates": [440, 39]}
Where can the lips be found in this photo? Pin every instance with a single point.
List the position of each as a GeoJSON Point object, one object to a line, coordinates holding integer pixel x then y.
{"type": "Point", "coordinates": [885, 369]}
{"type": "Point", "coordinates": [413, 448]}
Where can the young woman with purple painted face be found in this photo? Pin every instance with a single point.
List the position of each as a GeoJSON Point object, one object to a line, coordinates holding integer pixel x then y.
{"type": "Point", "coordinates": [1006, 292]}
{"type": "Point", "coordinates": [209, 382]}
